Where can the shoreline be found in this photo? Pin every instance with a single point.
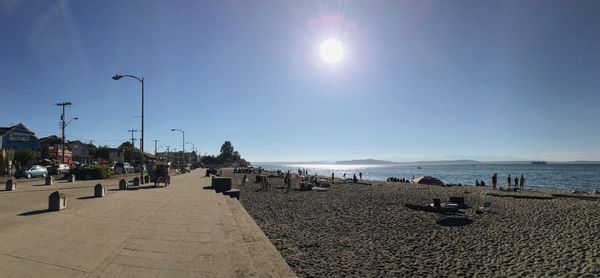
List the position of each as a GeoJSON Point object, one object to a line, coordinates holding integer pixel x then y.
{"type": "Point", "coordinates": [501, 181]}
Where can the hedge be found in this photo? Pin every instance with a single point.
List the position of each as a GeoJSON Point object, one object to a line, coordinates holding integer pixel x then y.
{"type": "Point", "coordinates": [92, 171]}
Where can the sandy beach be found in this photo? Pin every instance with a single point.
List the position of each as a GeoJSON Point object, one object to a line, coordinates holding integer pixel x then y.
{"type": "Point", "coordinates": [366, 230]}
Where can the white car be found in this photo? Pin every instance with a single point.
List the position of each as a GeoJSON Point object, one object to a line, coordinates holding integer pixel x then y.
{"type": "Point", "coordinates": [63, 168]}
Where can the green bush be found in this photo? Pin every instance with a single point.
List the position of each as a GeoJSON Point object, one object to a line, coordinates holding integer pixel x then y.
{"type": "Point", "coordinates": [92, 171]}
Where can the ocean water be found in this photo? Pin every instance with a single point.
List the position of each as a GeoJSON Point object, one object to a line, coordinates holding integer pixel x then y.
{"type": "Point", "coordinates": [563, 176]}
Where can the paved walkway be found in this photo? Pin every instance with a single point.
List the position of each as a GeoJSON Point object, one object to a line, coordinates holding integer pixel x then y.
{"type": "Point", "coordinates": [179, 231]}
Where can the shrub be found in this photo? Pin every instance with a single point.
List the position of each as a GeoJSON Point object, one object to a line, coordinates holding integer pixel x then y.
{"type": "Point", "coordinates": [92, 171]}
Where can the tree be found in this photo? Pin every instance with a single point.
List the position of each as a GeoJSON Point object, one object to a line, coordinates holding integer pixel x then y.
{"type": "Point", "coordinates": [226, 151]}
{"type": "Point", "coordinates": [25, 157]}
{"type": "Point", "coordinates": [103, 152]}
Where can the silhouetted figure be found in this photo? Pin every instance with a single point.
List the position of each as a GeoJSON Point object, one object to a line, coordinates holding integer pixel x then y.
{"type": "Point", "coordinates": [332, 177]}
{"type": "Point", "coordinates": [509, 181]}
{"type": "Point", "coordinates": [516, 182]}
{"type": "Point", "coordinates": [522, 182]}
{"type": "Point", "coordinates": [482, 183]}
{"type": "Point", "coordinates": [477, 183]}
{"type": "Point", "coordinates": [360, 175]}
{"type": "Point", "coordinates": [494, 180]}
{"type": "Point", "coordinates": [344, 175]}
{"type": "Point", "coordinates": [354, 179]}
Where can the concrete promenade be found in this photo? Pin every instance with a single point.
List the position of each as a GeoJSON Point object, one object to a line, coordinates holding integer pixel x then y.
{"type": "Point", "coordinates": [179, 231]}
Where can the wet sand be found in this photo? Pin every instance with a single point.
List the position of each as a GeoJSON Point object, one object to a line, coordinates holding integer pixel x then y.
{"type": "Point", "coordinates": [366, 230]}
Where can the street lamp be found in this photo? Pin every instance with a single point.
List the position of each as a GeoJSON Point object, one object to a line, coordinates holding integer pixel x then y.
{"type": "Point", "coordinates": [182, 141]}
{"type": "Point", "coordinates": [117, 77]}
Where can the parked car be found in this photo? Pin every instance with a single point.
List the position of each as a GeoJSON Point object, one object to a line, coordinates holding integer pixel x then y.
{"type": "Point", "coordinates": [123, 168]}
{"type": "Point", "coordinates": [138, 168]}
{"type": "Point", "coordinates": [63, 169]}
{"type": "Point", "coordinates": [34, 171]}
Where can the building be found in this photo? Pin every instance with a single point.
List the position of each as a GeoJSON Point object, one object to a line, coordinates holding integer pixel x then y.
{"type": "Point", "coordinates": [18, 137]}
{"type": "Point", "coordinates": [82, 153]}
{"type": "Point", "coordinates": [51, 148]}
{"type": "Point", "coordinates": [115, 154]}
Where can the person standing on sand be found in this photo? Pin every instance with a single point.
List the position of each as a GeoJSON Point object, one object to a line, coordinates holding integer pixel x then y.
{"type": "Point", "coordinates": [509, 180]}
{"type": "Point", "coordinates": [494, 180]}
{"type": "Point", "coordinates": [354, 179]}
{"type": "Point", "coordinates": [516, 181]}
{"type": "Point", "coordinates": [360, 175]}
{"type": "Point", "coordinates": [332, 177]}
{"type": "Point", "coordinates": [522, 182]}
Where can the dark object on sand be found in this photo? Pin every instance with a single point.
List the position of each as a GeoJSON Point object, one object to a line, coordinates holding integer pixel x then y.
{"type": "Point", "coordinates": [259, 178]}
{"type": "Point", "coordinates": [459, 201]}
{"type": "Point", "coordinates": [429, 180]}
{"type": "Point", "coordinates": [433, 208]}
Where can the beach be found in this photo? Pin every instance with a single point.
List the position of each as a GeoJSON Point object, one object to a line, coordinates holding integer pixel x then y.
{"type": "Point", "coordinates": [367, 231]}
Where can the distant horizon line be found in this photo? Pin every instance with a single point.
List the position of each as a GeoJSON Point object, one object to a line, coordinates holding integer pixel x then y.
{"type": "Point", "coordinates": [379, 162]}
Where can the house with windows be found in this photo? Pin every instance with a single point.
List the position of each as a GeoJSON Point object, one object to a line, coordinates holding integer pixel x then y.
{"type": "Point", "coordinates": [17, 137]}
{"type": "Point", "coordinates": [51, 148]}
{"type": "Point", "coordinates": [82, 153]}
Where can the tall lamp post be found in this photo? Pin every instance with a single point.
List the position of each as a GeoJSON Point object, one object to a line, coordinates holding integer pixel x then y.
{"type": "Point", "coordinates": [117, 77]}
{"type": "Point", "coordinates": [182, 141]}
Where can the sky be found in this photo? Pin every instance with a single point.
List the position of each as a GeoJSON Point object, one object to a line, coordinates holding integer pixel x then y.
{"type": "Point", "coordinates": [420, 80]}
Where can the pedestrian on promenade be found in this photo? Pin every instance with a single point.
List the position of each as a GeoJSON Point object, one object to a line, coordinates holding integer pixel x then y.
{"type": "Point", "coordinates": [509, 180]}
{"type": "Point", "coordinates": [494, 180]}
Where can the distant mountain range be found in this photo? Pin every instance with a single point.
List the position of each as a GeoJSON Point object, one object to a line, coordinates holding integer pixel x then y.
{"type": "Point", "coordinates": [364, 162]}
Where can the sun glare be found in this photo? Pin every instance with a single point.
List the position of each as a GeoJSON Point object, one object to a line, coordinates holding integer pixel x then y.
{"type": "Point", "coordinates": [331, 51]}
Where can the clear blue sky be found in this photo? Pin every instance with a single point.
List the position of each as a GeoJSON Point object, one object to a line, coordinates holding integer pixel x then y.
{"type": "Point", "coordinates": [420, 79]}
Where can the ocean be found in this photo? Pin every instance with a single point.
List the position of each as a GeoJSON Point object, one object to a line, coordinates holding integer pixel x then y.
{"type": "Point", "coordinates": [585, 177]}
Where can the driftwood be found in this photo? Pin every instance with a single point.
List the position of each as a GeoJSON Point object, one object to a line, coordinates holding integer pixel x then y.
{"type": "Point", "coordinates": [590, 198]}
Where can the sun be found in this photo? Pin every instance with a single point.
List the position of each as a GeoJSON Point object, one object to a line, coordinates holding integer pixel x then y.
{"type": "Point", "coordinates": [331, 51]}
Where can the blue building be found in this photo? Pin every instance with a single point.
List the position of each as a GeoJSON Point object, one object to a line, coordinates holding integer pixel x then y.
{"type": "Point", "coordinates": [18, 137]}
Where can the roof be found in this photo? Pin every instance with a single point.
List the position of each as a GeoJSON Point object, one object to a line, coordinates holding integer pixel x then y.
{"type": "Point", "coordinates": [50, 138]}
{"type": "Point", "coordinates": [4, 130]}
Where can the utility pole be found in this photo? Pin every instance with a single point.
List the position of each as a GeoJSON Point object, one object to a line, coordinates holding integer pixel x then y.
{"type": "Point", "coordinates": [62, 126]}
{"type": "Point", "coordinates": [168, 152]}
{"type": "Point", "coordinates": [155, 141]}
{"type": "Point", "coordinates": [132, 139]}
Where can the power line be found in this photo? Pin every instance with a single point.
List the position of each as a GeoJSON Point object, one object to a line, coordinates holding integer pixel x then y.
{"type": "Point", "coordinates": [26, 88]}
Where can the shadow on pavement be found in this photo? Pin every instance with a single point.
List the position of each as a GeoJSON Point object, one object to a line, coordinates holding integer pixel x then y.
{"type": "Point", "coordinates": [34, 212]}
{"type": "Point", "coordinates": [87, 197]}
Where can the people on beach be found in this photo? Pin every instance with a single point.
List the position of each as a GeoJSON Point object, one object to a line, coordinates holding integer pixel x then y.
{"type": "Point", "coordinates": [516, 181]}
{"type": "Point", "coordinates": [494, 180]}
{"type": "Point", "coordinates": [477, 183]}
{"type": "Point", "coordinates": [344, 175]}
{"type": "Point", "coordinates": [332, 177]}
{"type": "Point", "coordinates": [509, 181]}
{"type": "Point", "coordinates": [482, 183]}
{"type": "Point", "coordinates": [360, 175]}
{"type": "Point", "coordinates": [522, 182]}
{"type": "Point", "coordinates": [354, 179]}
